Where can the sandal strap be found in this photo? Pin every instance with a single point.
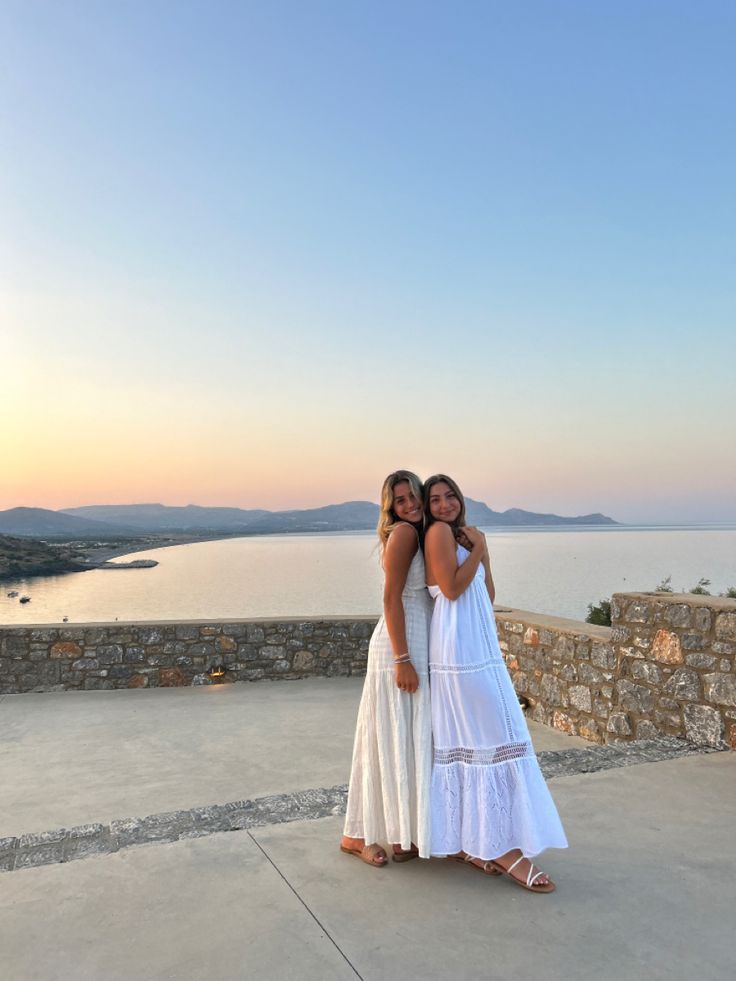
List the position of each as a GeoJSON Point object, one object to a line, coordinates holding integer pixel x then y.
{"type": "Point", "coordinates": [513, 866]}
{"type": "Point", "coordinates": [485, 867]}
{"type": "Point", "coordinates": [531, 878]}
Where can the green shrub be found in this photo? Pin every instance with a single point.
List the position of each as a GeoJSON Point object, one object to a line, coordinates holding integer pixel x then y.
{"type": "Point", "coordinates": [601, 614]}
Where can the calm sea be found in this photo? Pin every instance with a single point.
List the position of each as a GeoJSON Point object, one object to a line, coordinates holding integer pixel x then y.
{"type": "Point", "coordinates": [557, 571]}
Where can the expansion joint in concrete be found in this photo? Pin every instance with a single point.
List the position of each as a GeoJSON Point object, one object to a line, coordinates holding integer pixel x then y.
{"type": "Point", "coordinates": [306, 906]}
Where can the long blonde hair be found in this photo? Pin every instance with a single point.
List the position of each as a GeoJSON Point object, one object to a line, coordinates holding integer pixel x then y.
{"type": "Point", "coordinates": [387, 519]}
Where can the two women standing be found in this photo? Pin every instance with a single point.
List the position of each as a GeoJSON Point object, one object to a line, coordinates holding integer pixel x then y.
{"type": "Point", "coordinates": [481, 798]}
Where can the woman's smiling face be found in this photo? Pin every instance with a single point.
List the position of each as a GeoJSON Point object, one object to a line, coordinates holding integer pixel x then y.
{"type": "Point", "coordinates": [406, 505]}
{"type": "Point", "coordinates": [444, 504]}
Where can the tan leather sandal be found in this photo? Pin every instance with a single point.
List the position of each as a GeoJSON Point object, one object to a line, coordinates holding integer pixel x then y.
{"type": "Point", "coordinates": [368, 854]}
{"type": "Point", "coordinates": [487, 868]}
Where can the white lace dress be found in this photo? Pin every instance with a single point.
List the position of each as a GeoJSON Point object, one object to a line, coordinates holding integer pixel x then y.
{"type": "Point", "coordinates": [488, 793]}
{"type": "Point", "coordinates": [388, 799]}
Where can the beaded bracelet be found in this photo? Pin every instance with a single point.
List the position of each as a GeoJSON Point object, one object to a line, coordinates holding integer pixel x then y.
{"type": "Point", "coordinates": [403, 658]}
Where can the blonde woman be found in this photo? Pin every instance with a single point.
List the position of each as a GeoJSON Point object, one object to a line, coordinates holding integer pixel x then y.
{"type": "Point", "coordinates": [388, 799]}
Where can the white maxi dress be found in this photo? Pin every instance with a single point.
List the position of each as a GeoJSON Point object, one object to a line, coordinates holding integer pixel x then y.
{"type": "Point", "coordinates": [488, 794]}
{"type": "Point", "coordinates": [388, 797]}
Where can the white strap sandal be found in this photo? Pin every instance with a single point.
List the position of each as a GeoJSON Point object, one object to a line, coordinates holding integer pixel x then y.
{"type": "Point", "coordinates": [531, 880]}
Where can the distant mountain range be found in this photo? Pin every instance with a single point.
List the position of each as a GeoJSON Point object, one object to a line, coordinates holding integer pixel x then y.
{"type": "Point", "coordinates": [480, 514]}
{"type": "Point", "coordinates": [104, 521]}
{"type": "Point", "coordinates": [41, 523]}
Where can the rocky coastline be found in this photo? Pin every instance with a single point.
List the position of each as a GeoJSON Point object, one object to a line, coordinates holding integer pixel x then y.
{"type": "Point", "coordinates": [26, 558]}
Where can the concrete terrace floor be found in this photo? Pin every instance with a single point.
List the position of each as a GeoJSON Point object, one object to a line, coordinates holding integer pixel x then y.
{"type": "Point", "coordinates": [645, 890]}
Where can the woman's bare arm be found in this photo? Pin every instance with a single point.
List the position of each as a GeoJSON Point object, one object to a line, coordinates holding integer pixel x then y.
{"type": "Point", "coordinates": [441, 557]}
{"type": "Point", "coordinates": [400, 549]}
{"type": "Point", "coordinates": [488, 577]}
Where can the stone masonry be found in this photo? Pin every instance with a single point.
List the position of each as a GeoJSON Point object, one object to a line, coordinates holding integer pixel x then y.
{"type": "Point", "coordinates": [665, 667]}
{"type": "Point", "coordinates": [171, 655]}
{"type": "Point", "coordinates": [675, 658]}
{"type": "Point", "coordinates": [563, 669]}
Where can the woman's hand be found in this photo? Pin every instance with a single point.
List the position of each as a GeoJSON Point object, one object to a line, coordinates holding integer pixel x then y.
{"type": "Point", "coordinates": [462, 539]}
{"type": "Point", "coordinates": [440, 557]}
{"type": "Point", "coordinates": [406, 677]}
{"type": "Point", "coordinates": [470, 538]}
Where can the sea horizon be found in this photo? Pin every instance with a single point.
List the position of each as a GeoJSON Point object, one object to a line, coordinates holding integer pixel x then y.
{"type": "Point", "coordinates": [553, 570]}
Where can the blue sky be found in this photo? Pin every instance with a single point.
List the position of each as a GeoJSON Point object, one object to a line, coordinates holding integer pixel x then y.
{"type": "Point", "coordinates": [275, 250]}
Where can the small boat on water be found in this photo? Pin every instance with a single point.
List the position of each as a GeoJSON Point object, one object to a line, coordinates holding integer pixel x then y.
{"type": "Point", "coordinates": [13, 593]}
{"type": "Point", "coordinates": [25, 599]}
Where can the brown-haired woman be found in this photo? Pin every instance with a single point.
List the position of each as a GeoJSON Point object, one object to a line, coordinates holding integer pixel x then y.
{"type": "Point", "coordinates": [490, 806]}
{"type": "Point", "coordinates": [388, 799]}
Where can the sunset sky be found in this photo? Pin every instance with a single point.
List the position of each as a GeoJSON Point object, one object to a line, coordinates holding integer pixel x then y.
{"type": "Point", "coordinates": [261, 253]}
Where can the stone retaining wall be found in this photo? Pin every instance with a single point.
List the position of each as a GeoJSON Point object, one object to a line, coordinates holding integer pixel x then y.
{"type": "Point", "coordinates": [665, 668]}
{"type": "Point", "coordinates": [675, 667]}
{"type": "Point", "coordinates": [564, 669]}
{"type": "Point", "coordinates": [170, 655]}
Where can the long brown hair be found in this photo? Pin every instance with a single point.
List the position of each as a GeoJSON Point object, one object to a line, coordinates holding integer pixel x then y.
{"type": "Point", "coordinates": [387, 519]}
{"type": "Point", "coordinates": [429, 483]}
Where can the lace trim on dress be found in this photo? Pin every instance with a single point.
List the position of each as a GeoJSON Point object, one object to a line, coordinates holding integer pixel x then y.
{"type": "Point", "coordinates": [380, 669]}
{"type": "Point", "coordinates": [483, 757]}
{"type": "Point", "coordinates": [439, 668]}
